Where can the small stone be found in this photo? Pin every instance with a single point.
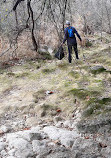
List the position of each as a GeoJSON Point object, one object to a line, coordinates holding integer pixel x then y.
{"type": "Point", "coordinates": [35, 129]}
{"type": "Point", "coordinates": [5, 129]}
{"type": "Point", "coordinates": [53, 113]}
{"type": "Point", "coordinates": [59, 124]}
{"type": "Point", "coordinates": [67, 124]}
{"type": "Point", "coordinates": [43, 114]}
{"type": "Point", "coordinates": [35, 136]}
{"type": "Point", "coordinates": [32, 111]}
{"type": "Point", "coordinates": [51, 144]}
{"type": "Point", "coordinates": [3, 153]}
{"type": "Point", "coordinates": [32, 121]}
{"type": "Point", "coordinates": [57, 119]}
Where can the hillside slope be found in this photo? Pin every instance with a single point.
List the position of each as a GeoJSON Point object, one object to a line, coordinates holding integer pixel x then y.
{"type": "Point", "coordinates": [81, 93]}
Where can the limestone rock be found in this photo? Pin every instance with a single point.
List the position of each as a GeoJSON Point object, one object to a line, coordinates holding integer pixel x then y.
{"type": "Point", "coordinates": [97, 69]}
{"type": "Point", "coordinates": [85, 148]}
{"type": "Point", "coordinates": [5, 128]}
{"type": "Point", "coordinates": [2, 146]}
{"type": "Point", "coordinates": [66, 137]}
{"type": "Point", "coordinates": [59, 124]}
{"type": "Point", "coordinates": [60, 152]}
{"type": "Point", "coordinates": [26, 153]}
{"type": "Point", "coordinates": [95, 125]}
{"type": "Point", "coordinates": [67, 124]}
{"type": "Point", "coordinates": [38, 146]}
{"type": "Point", "coordinates": [106, 152]}
{"type": "Point", "coordinates": [22, 147]}
{"type": "Point", "coordinates": [12, 152]}
{"type": "Point", "coordinates": [19, 143]}
{"type": "Point", "coordinates": [35, 136]}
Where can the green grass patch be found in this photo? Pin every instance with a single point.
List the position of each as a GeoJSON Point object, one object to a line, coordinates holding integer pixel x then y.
{"type": "Point", "coordinates": [11, 74]}
{"type": "Point", "coordinates": [32, 65]}
{"type": "Point", "coordinates": [74, 74]}
{"type": "Point", "coordinates": [49, 107]}
{"type": "Point", "coordinates": [49, 110]}
{"type": "Point", "coordinates": [45, 55]}
{"type": "Point", "coordinates": [67, 84]}
{"type": "Point", "coordinates": [46, 71]}
{"type": "Point", "coordinates": [88, 44]}
{"type": "Point", "coordinates": [20, 75]}
{"type": "Point", "coordinates": [103, 101]}
{"type": "Point", "coordinates": [88, 112]}
{"type": "Point", "coordinates": [63, 66]}
{"type": "Point", "coordinates": [98, 81]}
{"type": "Point", "coordinates": [96, 106]}
{"type": "Point", "coordinates": [85, 67]}
{"type": "Point", "coordinates": [98, 71]}
{"type": "Point", "coordinates": [34, 76]}
{"type": "Point", "coordinates": [83, 93]}
{"type": "Point", "coordinates": [2, 71]}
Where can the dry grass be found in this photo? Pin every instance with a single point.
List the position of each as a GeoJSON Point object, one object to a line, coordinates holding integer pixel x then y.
{"type": "Point", "coordinates": [35, 78]}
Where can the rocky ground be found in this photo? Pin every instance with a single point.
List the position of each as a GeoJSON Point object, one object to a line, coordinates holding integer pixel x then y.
{"type": "Point", "coordinates": [73, 121]}
{"type": "Point", "coordinates": [60, 140]}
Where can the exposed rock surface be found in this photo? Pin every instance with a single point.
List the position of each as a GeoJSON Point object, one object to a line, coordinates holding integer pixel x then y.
{"type": "Point", "coordinates": [50, 141]}
{"type": "Point", "coordinates": [102, 125]}
{"type": "Point", "coordinates": [97, 69]}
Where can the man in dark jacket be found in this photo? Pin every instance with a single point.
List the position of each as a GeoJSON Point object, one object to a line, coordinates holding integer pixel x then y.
{"type": "Point", "coordinates": [71, 40]}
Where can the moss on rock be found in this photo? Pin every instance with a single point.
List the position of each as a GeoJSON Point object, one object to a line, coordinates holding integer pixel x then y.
{"type": "Point", "coordinates": [96, 106]}
{"type": "Point", "coordinates": [97, 69]}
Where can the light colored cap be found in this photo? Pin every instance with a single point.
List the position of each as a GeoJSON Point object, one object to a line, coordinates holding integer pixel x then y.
{"type": "Point", "coordinates": [67, 22]}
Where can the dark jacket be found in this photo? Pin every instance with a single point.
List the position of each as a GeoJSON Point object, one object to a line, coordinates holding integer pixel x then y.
{"type": "Point", "coordinates": [71, 40]}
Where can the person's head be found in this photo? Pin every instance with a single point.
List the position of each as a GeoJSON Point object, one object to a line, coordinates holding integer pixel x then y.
{"type": "Point", "coordinates": [67, 23]}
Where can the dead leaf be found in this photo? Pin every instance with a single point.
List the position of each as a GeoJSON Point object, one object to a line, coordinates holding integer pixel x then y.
{"type": "Point", "coordinates": [27, 128]}
{"type": "Point", "coordinates": [58, 110]}
{"type": "Point", "coordinates": [87, 137]}
{"type": "Point", "coordinates": [88, 98]}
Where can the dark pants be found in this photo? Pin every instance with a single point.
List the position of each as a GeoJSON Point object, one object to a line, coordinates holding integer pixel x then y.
{"type": "Point", "coordinates": [70, 52]}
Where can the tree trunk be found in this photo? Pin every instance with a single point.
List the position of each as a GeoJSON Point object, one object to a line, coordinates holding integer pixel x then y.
{"type": "Point", "coordinates": [30, 12]}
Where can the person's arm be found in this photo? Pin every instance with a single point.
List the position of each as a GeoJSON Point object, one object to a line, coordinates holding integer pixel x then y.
{"type": "Point", "coordinates": [75, 31]}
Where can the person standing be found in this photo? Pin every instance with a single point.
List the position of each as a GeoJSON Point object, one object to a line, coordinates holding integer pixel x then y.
{"type": "Point", "coordinates": [69, 35]}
